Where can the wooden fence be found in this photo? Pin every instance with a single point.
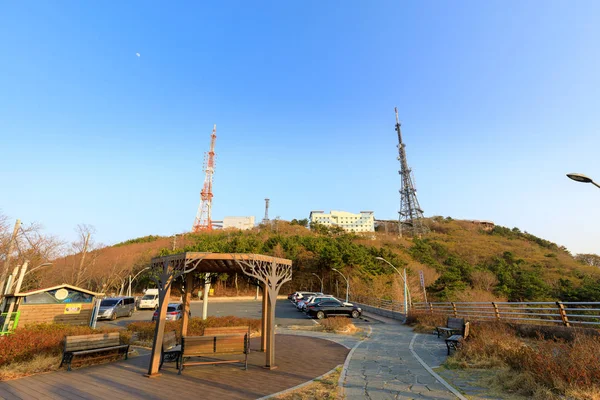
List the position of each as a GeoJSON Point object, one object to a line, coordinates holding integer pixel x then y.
{"type": "Point", "coordinates": [546, 312]}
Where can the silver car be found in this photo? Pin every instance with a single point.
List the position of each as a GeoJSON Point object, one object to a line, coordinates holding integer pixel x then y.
{"type": "Point", "coordinates": [114, 307]}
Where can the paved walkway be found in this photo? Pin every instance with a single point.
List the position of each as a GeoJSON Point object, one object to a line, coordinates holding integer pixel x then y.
{"type": "Point", "coordinates": [299, 359]}
{"type": "Point", "coordinates": [383, 366]}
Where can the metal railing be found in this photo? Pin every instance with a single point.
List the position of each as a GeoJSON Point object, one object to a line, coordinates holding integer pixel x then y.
{"type": "Point", "coordinates": [384, 304]}
{"type": "Point", "coordinates": [542, 312]}
{"type": "Point", "coordinates": [545, 312]}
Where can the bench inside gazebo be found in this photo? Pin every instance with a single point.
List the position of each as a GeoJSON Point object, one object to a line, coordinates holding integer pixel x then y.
{"type": "Point", "coordinates": [271, 272]}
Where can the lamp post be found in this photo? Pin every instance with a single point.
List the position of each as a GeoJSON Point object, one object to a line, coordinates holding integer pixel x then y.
{"type": "Point", "coordinates": [320, 279]}
{"type": "Point", "coordinates": [347, 284]}
{"type": "Point", "coordinates": [582, 178]}
{"type": "Point", "coordinates": [132, 279]}
{"type": "Point", "coordinates": [407, 298]}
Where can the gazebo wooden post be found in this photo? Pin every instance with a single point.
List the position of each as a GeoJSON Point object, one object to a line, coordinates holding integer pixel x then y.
{"type": "Point", "coordinates": [270, 358]}
{"type": "Point", "coordinates": [172, 269]}
{"type": "Point", "coordinates": [263, 324]}
{"type": "Point", "coordinates": [272, 275]}
{"type": "Point", "coordinates": [164, 292]}
{"type": "Point", "coordinates": [189, 282]}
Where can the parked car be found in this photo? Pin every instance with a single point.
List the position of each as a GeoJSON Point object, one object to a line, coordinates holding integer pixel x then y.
{"type": "Point", "coordinates": [316, 299]}
{"type": "Point", "coordinates": [150, 299]}
{"type": "Point", "coordinates": [302, 296]}
{"type": "Point", "coordinates": [332, 308]}
{"type": "Point", "coordinates": [114, 307]}
{"type": "Point", "coordinates": [174, 312]}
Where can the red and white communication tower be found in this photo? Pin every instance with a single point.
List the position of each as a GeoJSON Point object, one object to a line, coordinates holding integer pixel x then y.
{"type": "Point", "coordinates": [203, 220]}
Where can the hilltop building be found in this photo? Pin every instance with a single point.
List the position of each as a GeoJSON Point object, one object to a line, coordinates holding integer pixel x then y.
{"type": "Point", "coordinates": [242, 223]}
{"type": "Point", "coordinates": [361, 222]}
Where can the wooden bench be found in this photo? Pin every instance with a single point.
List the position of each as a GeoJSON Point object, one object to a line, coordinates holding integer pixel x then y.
{"type": "Point", "coordinates": [454, 341]}
{"type": "Point", "coordinates": [92, 344]}
{"type": "Point", "coordinates": [453, 325]}
{"type": "Point", "coordinates": [228, 330]}
{"type": "Point", "coordinates": [213, 345]}
{"type": "Point", "coordinates": [170, 350]}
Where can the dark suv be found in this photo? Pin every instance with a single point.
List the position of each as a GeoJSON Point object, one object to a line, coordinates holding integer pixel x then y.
{"type": "Point", "coordinates": [332, 308]}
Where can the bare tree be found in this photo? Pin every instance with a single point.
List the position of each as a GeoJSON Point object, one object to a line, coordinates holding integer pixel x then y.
{"type": "Point", "coordinates": [82, 246]}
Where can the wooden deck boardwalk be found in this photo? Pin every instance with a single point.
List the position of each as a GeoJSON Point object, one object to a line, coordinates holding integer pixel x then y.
{"type": "Point", "coordinates": [298, 358]}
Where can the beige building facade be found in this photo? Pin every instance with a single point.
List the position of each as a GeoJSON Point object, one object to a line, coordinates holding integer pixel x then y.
{"type": "Point", "coordinates": [364, 221]}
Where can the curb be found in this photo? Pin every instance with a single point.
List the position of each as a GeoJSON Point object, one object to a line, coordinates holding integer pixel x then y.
{"type": "Point", "coordinates": [300, 386]}
{"type": "Point", "coordinates": [342, 379]}
{"type": "Point", "coordinates": [432, 372]}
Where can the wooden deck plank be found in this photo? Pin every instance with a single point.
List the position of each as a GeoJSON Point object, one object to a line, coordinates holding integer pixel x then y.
{"type": "Point", "coordinates": [125, 378]}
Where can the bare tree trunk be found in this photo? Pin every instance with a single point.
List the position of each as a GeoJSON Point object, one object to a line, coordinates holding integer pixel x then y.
{"type": "Point", "coordinates": [13, 238]}
{"type": "Point", "coordinates": [237, 291]}
{"type": "Point", "coordinates": [81, 263]}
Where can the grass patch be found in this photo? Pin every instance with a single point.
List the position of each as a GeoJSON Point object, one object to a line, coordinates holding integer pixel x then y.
{"type": "Point", "coordinates": [322, 389]}
{"type": "Point", "coordinates": [341, 325]}
{"type": "Point", "coordinates": [424, 322]}
{"type": "Point", "coordinates": [38, 348]}
{"type": "Point", "coordinates": [535, 367]}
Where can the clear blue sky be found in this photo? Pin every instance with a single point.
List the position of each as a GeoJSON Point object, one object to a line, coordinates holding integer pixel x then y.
{"type": "Point", "coordinates": [498, 100]}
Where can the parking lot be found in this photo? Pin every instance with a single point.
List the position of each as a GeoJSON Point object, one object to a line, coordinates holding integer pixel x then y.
{"type": "Point", "coordinates": [285, 312]}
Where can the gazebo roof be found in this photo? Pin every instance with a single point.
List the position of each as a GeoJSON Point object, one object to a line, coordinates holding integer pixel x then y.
{"type": "Point", "coordinates": [215, 262]}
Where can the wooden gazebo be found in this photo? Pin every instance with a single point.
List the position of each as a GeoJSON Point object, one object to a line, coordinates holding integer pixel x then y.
{"type": "Point", "coordinates": [272, 272]}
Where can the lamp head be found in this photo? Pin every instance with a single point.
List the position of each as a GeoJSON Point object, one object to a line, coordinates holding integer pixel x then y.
{"type": "Point", "coordinates": [579, 178]}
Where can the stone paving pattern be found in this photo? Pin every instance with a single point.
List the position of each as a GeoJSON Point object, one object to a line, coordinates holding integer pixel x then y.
{"type": "Point", "coordinates": [383, 367]}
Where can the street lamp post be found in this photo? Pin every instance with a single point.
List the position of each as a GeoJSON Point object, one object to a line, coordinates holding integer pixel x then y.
{"type": "Point", "coordinates": [582, 178]}
{"type": "Point", "coordinates": [347, 284]}
{"type": "Point", "coordinates": [132, 279]}
{"type": "Point", "coordinates": [407, 298]}
{"type": "Point", "coordinates": [320, 279]}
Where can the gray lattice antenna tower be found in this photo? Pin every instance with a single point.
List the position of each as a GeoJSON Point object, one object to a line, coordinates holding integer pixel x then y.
{"type": "Point", "coordinates": [410, 217]}
{"type": "Point", "coordinates": [266, 219]}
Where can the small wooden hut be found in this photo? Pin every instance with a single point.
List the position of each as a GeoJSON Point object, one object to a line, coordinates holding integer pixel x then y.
{"type": "Point", "coordinates": [62, 304]}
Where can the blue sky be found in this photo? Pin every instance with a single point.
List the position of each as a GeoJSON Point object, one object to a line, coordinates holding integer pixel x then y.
{"type": "Point", "coordinates": [498, 100]}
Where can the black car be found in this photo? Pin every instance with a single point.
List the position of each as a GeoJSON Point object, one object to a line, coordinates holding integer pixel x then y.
{"type": "Point", "coordinates": [332, 308]}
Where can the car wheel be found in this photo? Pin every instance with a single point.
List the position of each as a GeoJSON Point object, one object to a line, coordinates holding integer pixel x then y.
{"type": "Point", "coordinates": [355, 314]}
{"type": "Point", "coordinates": [321, 315]}
{"type": "Point", "coordinates": [130, 313]}
{"type": "Point", "coordinates": [113, 316]}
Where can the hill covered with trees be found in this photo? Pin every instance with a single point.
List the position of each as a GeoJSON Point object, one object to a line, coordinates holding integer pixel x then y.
{"type": "Point", "coordinates": [460, 261]}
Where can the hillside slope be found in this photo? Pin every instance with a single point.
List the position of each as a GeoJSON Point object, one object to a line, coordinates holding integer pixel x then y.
{"type": "Point", "coordinates": [459, 261]}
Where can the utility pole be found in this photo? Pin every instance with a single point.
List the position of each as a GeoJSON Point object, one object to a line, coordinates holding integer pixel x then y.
{"type": "Point", "coordinates": [11, 248]}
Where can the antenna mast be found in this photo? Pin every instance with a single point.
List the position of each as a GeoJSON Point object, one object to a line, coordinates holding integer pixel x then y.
{"type": "Point", "coordinates": [266, 219]}
{"type": "Point", "coordinates": [203, 221]}
{"type": "Point", "coordinates": [410, 214]}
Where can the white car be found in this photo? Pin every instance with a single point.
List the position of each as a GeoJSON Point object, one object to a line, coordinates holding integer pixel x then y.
{"type": "Point", "coordinates": [150, 300]}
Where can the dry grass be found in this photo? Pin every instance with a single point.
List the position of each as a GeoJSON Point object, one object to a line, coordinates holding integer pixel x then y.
{"type": "Point", "coordinates": [39, 363]}
{"type": "Point", "coordinates": [322, 389]}
{"type": "Point", "coordinates": [424, 322]}
{"type": "Point", "coordinates": [341, 325]}
{"type": "Point", "coordinates": [537, 368]}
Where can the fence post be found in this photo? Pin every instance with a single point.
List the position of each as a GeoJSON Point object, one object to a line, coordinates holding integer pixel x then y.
{"type": "Point", "coordinates": [431, 308]}
{"type": "Point", "coordinates": [454, 310]}
{"type": "Point", "coordinates": [563, 314]}
{"type": "Point", "coordinates": [496, 312]}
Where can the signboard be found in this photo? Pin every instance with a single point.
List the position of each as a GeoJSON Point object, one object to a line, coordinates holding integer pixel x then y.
{"type": "Point", "coordinates": [422, 277]}
{"type": "Point", "coordinates": [72, 308]}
